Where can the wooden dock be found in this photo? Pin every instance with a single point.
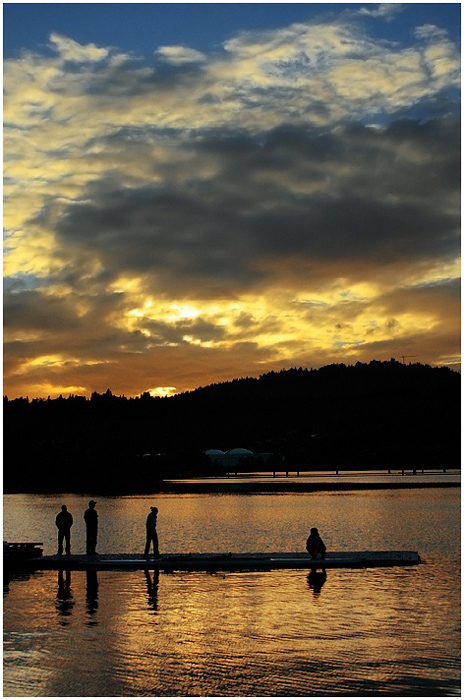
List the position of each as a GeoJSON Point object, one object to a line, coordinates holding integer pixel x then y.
{"type": "Point", "coordinates": [223, 561]}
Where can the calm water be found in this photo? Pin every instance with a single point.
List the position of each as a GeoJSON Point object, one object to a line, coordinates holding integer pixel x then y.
{"type": "Point", "coordinates": [385, 631]}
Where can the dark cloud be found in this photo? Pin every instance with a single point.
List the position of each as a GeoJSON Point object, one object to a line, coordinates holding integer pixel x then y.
{"type": "Point", "coordinates": [377, 232]}
{"type": "Point", "coordinates": [33, 310]}
{"type": "Point", "coordinates": [54, 325]}
{"type": "Point", "coordinates": [360, 195]}
{"type": "Point", "coordinates": [443, 297]}
{"type": "Point", "coordinates": [180, 239]}
{"type": "Point", "coordinates": [168, 333]}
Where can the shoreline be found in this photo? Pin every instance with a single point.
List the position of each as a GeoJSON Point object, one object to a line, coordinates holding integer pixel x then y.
{"type": "Point", "coordinates": [230, 486]}
{"type": "Point", "coordinates": [294, 486]}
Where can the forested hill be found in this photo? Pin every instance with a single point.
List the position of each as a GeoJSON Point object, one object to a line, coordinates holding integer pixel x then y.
{"type": "Point", "coordinates": [376, 415]}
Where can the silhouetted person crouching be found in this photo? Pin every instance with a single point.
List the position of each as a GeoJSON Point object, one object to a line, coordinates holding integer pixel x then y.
{"type": "Point", "coordinates": [315, 545]}
{"type": "Point", "coordinates": [64, 521]}
{"type": "Point", "coordinates": [152, 535]}
{"type": "Point", "coordinates": [91, 522]}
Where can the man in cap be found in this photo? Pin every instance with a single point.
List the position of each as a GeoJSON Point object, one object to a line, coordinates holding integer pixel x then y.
{"type": "Point", "coordinates": [91, 522]}
{"type": "Point", "coordinates": [64, 521]}
{"type": "Point", "coordinates": [152, 535]}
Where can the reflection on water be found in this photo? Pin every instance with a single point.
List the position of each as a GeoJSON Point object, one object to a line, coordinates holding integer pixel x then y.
{"type": "Point", "coordinates": [91, 596]}
{"type": "Point", "coordinates": [387, 631]}
{"type": "Point", "coordinates": [152, 588]}
{"type": "Point", "coordinates": [393, 631]}
{"type": "Point", "coordinates": [64, 596]}
{"type": "Point", "coordinates": [65, 601]}
{"type": "Point", "coordinates": [316, 580]}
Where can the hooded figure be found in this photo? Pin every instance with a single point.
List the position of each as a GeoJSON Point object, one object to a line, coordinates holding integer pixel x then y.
{"type": "Point", "coordinates": [315, 545]}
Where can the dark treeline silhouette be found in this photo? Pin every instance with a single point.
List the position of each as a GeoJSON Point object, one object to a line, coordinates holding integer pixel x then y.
{"type": "Point", "coordinates": [379, 415]}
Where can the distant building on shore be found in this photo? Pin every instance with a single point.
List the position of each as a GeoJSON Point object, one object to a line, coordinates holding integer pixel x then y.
{"type": "Point", "coordinates": [239, 457]}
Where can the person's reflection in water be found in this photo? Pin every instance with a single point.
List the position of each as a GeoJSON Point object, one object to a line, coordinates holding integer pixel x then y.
{"type": "Point", "coordinates": [152, 588]}
{"type": "Point", "coordinates": [91, 596]}
{"type": "Point", "coordinates": [64, 597]}
{"type": "Point", "coordinates": [316, 580]}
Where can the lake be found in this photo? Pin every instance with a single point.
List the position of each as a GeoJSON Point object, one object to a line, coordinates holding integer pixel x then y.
{"type": "Point", "coordinates": [386, 631]}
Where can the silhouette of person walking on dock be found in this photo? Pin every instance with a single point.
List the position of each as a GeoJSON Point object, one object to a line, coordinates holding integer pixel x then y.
{"type": "Point", "coordinates": [152, 535]}
{"type": "Point", "coordinates": [315, 545]}
{"type": "Point", "coordinates": [91, 522]}
{"type": "Point", "coordinates": [64, 521]}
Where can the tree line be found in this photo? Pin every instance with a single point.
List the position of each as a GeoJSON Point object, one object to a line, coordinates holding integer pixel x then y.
{"type": "Point", "coordinates": [378, 415]}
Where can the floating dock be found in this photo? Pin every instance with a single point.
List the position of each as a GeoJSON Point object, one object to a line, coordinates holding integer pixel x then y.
{"type": "Point", "coordinates": [222, 561]}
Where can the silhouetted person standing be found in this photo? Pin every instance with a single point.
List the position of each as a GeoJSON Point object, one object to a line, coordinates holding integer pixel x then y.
{"type": "Point", "coordinates": [91, 521]}
{"type": "Point", "coordinates": [64, 521]}
{"type": "Point", "coordinates": [152, 535]}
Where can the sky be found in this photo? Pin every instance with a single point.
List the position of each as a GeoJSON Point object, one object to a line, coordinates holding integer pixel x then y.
{"type": "Point", "coordinates": [200, 192]}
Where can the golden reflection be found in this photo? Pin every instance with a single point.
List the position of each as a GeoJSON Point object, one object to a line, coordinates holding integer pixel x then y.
{"type": "Point", "coordinates": [91, 596]}
{"type": "Point", "coordinates": [201, 632]}
{"type": "Point", "coordinates": [316, 580]}
{"type": "Point", "coordinates": [152, 588]}
{"type": "Point", "coordinates": [64, 598]}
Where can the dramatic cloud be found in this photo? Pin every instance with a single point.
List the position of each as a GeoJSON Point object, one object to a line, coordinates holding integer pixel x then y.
{"type": "Point", "coordinates": [293, 198]}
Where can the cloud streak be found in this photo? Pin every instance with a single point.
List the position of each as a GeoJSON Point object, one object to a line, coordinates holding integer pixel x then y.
{"type": "Point", "coordinates": [293, 198]}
